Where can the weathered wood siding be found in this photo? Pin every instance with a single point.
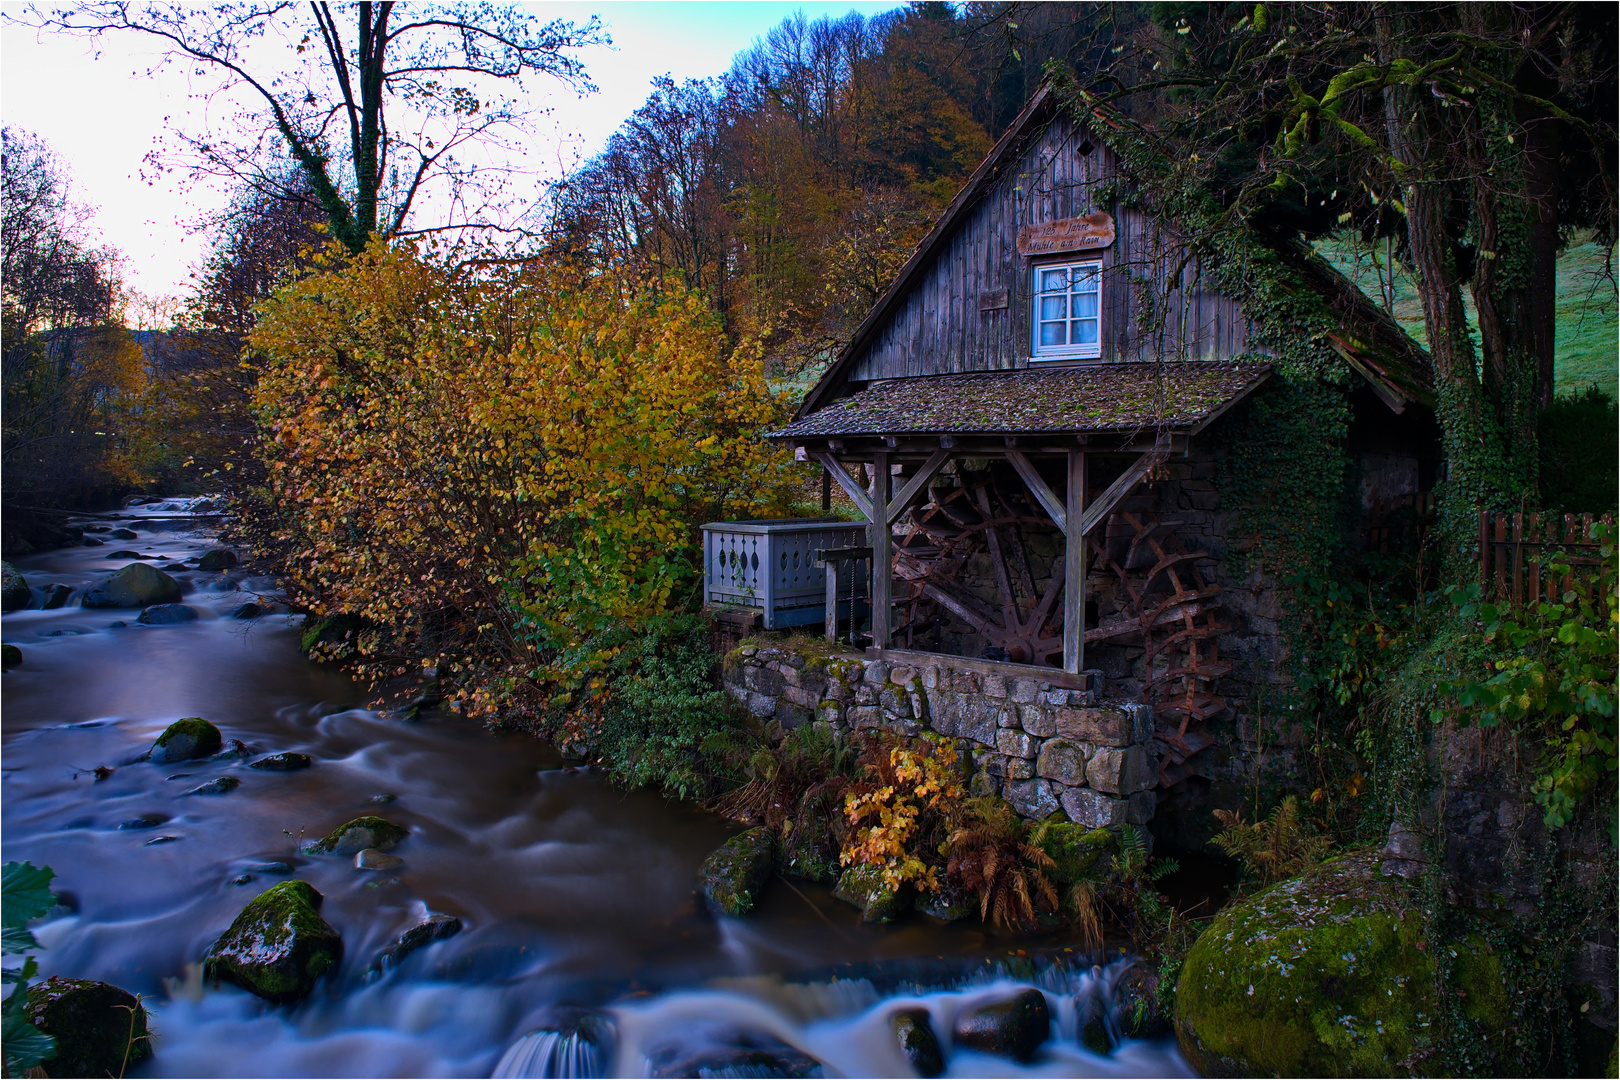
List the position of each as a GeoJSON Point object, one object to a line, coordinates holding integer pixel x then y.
{"type": "Point", "coordinates": [938, 326]}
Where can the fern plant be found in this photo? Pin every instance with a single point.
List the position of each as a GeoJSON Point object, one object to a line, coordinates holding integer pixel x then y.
{"type": "Point", "coordinates": [993, 856]}
{"type": "Point", "coordinates": [1279, 847]}
{"type": "Point", "coordinates": [25, 894]}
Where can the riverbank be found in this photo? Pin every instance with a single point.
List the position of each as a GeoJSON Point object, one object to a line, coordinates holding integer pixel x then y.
{"type": "Point", "coordinates": [571, 892]}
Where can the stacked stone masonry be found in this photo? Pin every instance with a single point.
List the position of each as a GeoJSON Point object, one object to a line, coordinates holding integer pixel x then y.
{"type": "Point", "coordinates": [1041, 747]}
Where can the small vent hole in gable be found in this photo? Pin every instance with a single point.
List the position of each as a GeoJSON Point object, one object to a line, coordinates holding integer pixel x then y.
{"type": "Point", "coordinates": [1086, 148]}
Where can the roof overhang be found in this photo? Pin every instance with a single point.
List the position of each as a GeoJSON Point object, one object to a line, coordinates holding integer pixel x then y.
{"type": "Point", "coordinates": [1048, 405]}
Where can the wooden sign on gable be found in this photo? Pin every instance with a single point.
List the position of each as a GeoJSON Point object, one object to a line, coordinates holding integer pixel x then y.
{"type": "Point", "coordinates": [1093, 230]}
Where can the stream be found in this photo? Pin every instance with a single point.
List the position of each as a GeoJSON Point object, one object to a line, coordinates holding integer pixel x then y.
{"type": "Point", "coordinates": [573, 894]}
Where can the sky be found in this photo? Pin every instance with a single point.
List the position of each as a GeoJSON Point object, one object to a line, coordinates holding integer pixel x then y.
{"type": "Point", "coordinates": [95, 105]}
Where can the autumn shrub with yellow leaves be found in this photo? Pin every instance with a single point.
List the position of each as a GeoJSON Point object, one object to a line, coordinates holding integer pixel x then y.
{"type": "Point", "coordinates": [496, 466]}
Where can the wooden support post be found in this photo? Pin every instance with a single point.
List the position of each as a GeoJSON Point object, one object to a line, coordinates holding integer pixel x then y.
{"type": "Point", "coordinates": [832, 601]}
{"type": "Point", "coordinates": [882, 557]}
{"type": "Point", "coordinates": [826, 492]}
{"type": "Point", "coordinates": [1074, 567]}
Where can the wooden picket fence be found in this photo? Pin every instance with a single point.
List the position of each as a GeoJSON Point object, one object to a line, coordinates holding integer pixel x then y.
{"type": "Point", "coordinates": [1515, 548]}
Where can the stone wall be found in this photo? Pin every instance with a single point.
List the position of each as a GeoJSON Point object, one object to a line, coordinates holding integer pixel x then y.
{"type": "Point", "coordinates": [1040, 746]}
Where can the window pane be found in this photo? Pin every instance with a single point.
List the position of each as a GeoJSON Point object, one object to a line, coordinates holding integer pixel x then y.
{"type": "Point", "coordinates": [1052, 333]}
{"type": "Point", "coordinates": [1085, 332]}
{"type": "Point", "coordinates": [1054, 307]}
{"type": "Point", "coordinates": [1085, 305]}
{"type": "Point", "coordinates": [1054, 280]}
{"type": "Point", "coordinates": [1086, 277]}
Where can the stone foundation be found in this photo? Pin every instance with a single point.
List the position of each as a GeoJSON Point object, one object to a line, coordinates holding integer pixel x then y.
{"type": "Point", "coordinates": [1041, 746]}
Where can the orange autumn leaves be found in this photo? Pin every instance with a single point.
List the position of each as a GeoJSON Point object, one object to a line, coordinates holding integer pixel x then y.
{"type": "Point", "coordinates": [491, 465]}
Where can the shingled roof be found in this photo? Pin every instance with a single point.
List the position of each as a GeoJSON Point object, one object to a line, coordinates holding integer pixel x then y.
{"type": "Point", "coordinates": [1175, 397]}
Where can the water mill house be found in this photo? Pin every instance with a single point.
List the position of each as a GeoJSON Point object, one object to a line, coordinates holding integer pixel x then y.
{"type": "Point", "coordinates": [1091, 440]}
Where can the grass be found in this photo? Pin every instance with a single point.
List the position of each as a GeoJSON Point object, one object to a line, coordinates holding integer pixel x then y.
{"type": "Point", "coordinates": [1587, 340]}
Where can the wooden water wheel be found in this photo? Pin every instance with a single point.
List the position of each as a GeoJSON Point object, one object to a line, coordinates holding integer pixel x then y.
{"type": "Point", "coordinates": [1170, 608]}
{"type": "Point", "coordinates": [988, 514]}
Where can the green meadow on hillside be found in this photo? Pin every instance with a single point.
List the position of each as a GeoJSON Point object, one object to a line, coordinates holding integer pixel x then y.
{"type": "Point", "coordinates": [1587, 309]}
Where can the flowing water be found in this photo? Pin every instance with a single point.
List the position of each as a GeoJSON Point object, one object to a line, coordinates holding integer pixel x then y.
{"type": "Point", "coordinates": [573, 894]}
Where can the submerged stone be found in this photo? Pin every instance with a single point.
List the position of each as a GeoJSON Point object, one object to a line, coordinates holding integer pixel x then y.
{"type": "Point", "coordinates": [135, 586]}
{"type": "Point", "coordinates": [167, 615]}
{"type": "Point", "coordinates": [918, 1042]}
{"type": "Point", "coordinates": [278, 946]}
{"type": "Point", "coordinates": [355, 836]}
{"type": "Point", "coordinates": [288, 761]}
{"type": "Point", "coordinates": [1014, 1028]}
{"type": "Point", "coordinates": [98, 1028]}
{"type": "Point", "coordinates": [436, 928]}
{"type": "Point", "coordinates": [1327, 974]}
{"type": "Point", "coordinates": [249, 610]}
{"type": "Point", "coordinates": [217, 786]}
{"type": "Point", "coordinates": [372, 859]}
{"type": "Point", "coordinates": [185, 739]}
{"type": "Point", "coordinates": [737, 870]}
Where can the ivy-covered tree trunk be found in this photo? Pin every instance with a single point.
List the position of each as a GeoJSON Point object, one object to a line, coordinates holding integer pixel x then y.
{"type": "Point", "coordinates": [1480, 469]}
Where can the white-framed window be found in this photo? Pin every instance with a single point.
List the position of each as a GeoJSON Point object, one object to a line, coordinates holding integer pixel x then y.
{"type": "Point", "coordinates": [1068, 311]}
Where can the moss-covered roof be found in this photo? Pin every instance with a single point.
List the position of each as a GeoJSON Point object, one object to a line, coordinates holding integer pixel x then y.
{"type": "Point", "coordinates": [1081, 398]}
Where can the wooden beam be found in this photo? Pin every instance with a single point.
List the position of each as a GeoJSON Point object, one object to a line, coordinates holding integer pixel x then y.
{"type": "Point", "coordinates": [1074, 567]}
{"type": "Point", "coordinates": [1037, 487]}
{"type": "Point", "coordinates": [851, 487]}
{"type": "Point", "coordinates": [882, 558]}
{"type": "Point", "coordinates": [1099, 510]}
{"type": "Point", "coordinates": [898, 504]}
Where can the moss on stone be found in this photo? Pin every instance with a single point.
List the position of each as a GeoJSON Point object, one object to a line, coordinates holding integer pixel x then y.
{"type": "Point", "coordinates": [737, 870]}
{"type": "Point", "coordinates": [278, 945]}
{"type": "Point", "coordinates": [358, 834]}
{"type": "Point", "coordinates": [862, 885]}
{"type": "Point", "coordinates": [95, 1025]}
{"type": "Point", "coordinates": [185, 739]}
{"type": "Point", "coordinates": [1074, 849]}
{"type": "Point", "coordinates": [14, 590]}
{"type": "Point", "coordinates": [10, 655]}
{"type": "Point", "coordinates": [332, 637]}
{"type": "Point", "coordinates": [1328, 974]}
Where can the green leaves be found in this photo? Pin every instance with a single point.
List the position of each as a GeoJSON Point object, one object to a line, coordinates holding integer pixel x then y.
{"type": "Point", "coordinates": [1553, 675]}
{"type": "Point", "coordinates": [25, 894]}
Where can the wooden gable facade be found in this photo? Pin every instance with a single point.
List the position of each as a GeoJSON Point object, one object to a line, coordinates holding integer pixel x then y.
{"type": "Point", "coordinates": [1027, 507]}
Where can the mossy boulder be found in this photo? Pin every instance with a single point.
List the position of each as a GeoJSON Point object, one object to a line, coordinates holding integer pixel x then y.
{"type": "Point", "coordinates": [864, 887]}
{"type": "Point", "coordinates": [10, 656]}
{"type": "Point", "coordinates": [735, 872]}
{"type": "Point", "coordinates": [332, 637]}
{"type": "Point", "coordinates": [14, 591]}
{"type": "Point", "coordinates": [96, 1026]}
{"type": "Point", "coordinates": [355, 836]}
{"type": "Point", "coordinates": [278, 946]}
{"type": "Point", "coordinates": [1327, 974]}
{"type": "Point", "coordinates": [185, 739]}
{"type": "Point", "coordinates": [135, 586]}
{"type": "Point", "coordinates": [1013, 1028]}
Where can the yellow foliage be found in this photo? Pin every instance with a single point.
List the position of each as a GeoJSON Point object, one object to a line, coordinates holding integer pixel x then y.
{"type": "Point", "coordinates": [495, 464]}
{"type": "Point", "coordinates": [921, 779]}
